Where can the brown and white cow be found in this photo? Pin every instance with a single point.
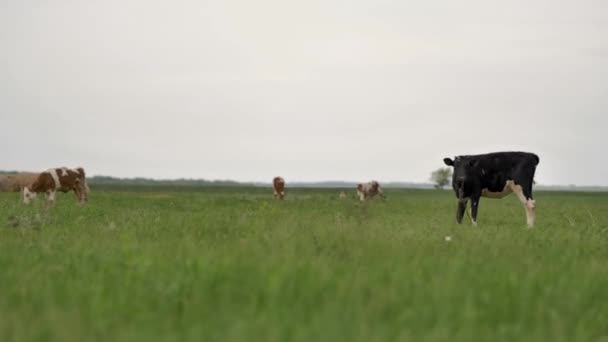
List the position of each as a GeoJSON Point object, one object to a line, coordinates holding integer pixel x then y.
{"type": "Point", "coordinates": [278, 185]}
{"type": "Point", "coordinates": [369, 190]}
{"type": "Point", "coordinates": [58, 179]}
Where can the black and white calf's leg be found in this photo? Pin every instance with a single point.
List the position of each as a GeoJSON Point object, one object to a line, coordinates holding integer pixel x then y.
{"type": "Point", "coordinates": [462, 206]}
{"type": "Point", "coordinates": [474, 208]}
{"type": "Point", "coordinates": [530, 206]}
{"type": "Point", "coordinates": [524, 193]}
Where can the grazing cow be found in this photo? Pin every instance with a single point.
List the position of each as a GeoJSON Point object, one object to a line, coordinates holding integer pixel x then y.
{"type": "Point", "coordinates": [58, 179]}
{"type": "Point", "coordinates": [494, 175]}
{"type": "Point", "coordinates": [369, 190]}
{"type": "Point", "coordinates": [278, 185]}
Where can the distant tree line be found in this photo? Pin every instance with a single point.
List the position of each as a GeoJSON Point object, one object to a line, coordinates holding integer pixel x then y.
{"type": "Point", "coordinates": [108, 180]}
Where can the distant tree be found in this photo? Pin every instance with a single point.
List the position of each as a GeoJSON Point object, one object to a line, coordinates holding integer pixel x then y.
{"type": "Point", "coordinates": [441, 177]}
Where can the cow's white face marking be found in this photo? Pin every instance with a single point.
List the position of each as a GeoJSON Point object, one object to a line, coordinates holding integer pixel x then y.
{"type": "Point", "coordinates": [28, 195]}
{"type": "Point", "coordinates": [53, 173]}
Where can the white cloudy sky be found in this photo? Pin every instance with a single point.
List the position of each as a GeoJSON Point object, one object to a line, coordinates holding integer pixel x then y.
{"type": "Point", "coordinates": [310, 90]}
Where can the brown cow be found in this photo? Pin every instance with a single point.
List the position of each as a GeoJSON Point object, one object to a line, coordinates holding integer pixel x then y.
{"type": "Point", "coordinates": [58, 179]}
{"type": "Point", "coordinates": [278, 185]}
{"type": "Point", "coordinates": [369, 190]}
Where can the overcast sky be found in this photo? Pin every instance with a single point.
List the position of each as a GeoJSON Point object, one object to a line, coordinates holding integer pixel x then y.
{"type": "Point", "coordinates": [310, 90]}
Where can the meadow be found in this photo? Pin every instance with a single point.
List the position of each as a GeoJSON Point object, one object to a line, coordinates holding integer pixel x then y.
{"type": "Point", "coordinates": [232, 264]}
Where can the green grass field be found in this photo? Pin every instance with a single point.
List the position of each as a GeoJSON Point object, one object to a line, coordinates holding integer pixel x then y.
{"type": "Point", "coordinates": [231, 264]}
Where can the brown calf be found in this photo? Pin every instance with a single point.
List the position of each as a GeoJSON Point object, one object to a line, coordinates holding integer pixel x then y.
{"type": "Point", "coordinates": [278, 185]}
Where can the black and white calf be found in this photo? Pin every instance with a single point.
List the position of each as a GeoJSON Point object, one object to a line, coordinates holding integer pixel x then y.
{"type": "Point", "coordinates": [494, 175]}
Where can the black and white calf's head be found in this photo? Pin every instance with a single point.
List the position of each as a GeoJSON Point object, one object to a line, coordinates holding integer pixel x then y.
{"type": "Point", "coordinates": [466, 173]}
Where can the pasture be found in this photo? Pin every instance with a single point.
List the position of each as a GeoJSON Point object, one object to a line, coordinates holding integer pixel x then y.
{"type": "Point", "coordinates": [232, 264]}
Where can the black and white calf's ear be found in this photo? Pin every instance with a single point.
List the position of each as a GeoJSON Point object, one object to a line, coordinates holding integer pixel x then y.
{"type": "Point", "coordinates": [448, 161]}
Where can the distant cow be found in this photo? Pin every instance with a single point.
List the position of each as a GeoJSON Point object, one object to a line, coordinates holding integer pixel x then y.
{"type": "Point", "coordinates": [494, 175]}
{"type": "Point", "coordinates": [15, 182]}
{"type": "Point", "coordinates": [369, 190]}
{"type": "Point", "coordinates": [58, 179]}
{"type": "Point", "coordinates": [4, 183]}
{"type": "Point", "coordinates": [342, 195]}
{"type": "Point", "coordinates": [278, 185]}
